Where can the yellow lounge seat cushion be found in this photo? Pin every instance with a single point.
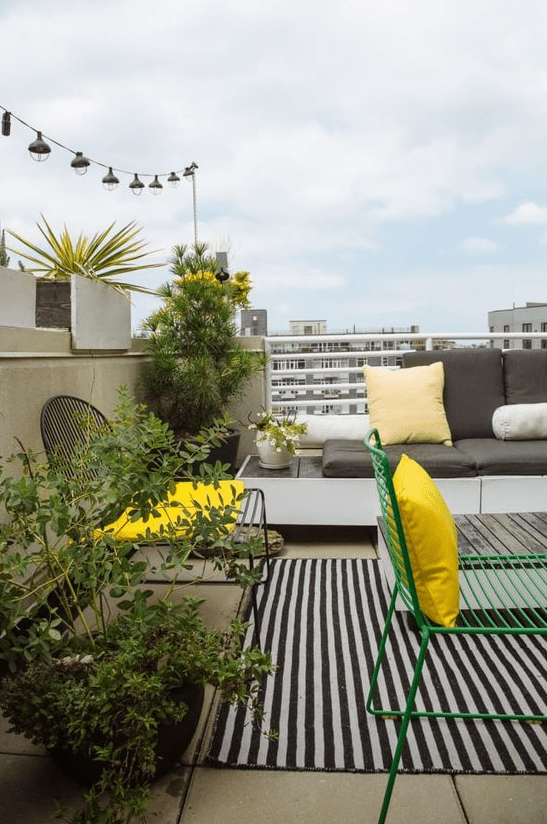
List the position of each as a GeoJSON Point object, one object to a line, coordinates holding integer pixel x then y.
{"type": "Point", "coordinates": [406, 405]}
{"type": "Point", "coordinates": [431, 541]}
{"type": "Point", "coordinates": [184, 503]}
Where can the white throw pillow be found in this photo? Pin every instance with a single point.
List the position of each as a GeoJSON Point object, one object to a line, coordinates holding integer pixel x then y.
{"type": "Point", "coordinates": [322, 428]}
{"type": "Point", "coordinates": [520, 422]}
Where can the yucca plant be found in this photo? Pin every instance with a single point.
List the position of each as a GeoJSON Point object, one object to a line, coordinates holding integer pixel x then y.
{"type": "Point", "coordinates": [108, 254]}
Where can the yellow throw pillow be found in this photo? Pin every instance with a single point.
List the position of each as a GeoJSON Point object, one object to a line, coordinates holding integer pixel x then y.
{"type": "Point", "coordinates": [406, 405]}
{"type": "Point", "coordinates": [431, 541]}
{"type": "Point", "coordinates": [186, 500]}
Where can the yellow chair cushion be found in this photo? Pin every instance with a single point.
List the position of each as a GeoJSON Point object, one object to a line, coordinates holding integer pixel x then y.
{"type": "Point", "coordinates": [184, 503]}
{"type": "Point", "coordinates": [406, 405]}
{"type": "Point", "coordinates": [431, 541]}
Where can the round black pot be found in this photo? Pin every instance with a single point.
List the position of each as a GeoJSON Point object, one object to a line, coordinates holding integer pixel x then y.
{"type": "Point", "coordinates": [226, 453]}
{"type": "Point", "coordinates": [173, 740]}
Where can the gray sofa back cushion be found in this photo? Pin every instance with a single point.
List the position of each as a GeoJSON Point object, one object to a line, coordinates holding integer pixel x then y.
{"type": "Point", "coordinates": [525, 375]}
{"type": "Point", "coordinates": [473, 387]}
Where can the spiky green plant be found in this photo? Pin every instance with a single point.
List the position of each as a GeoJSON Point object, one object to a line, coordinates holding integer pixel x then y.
{"type": "Point", "coordinates": [108, 254]}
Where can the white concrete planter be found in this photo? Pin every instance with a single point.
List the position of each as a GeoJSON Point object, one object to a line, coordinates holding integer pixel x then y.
{"type": "Point", "coordinates": [98, 316]}
{"type": "Point", "coordinates": [270, 457]}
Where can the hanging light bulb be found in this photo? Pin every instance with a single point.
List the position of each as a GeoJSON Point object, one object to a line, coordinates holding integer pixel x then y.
{"type": "Point", "coordinates": [173, 179]}
{"type": "Point", "coordinates": [155, 186]}
{"type": "Point", "coordinates": [190, 170]}
{"type": "Point", "coordinates": [6, 124]}
{"type": "Point", "coordinates": [136, 185]}
{"type": "Point", "coordinates": [222, 274]}
{"type": "Point", "coordinates": [80, 164]}
{"type": "Point", "coordinates": [110, 181]}
{"type": "Point", "coordinates": [39, 149]}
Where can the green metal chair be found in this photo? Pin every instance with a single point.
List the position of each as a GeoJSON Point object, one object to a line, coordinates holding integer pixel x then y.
{"type": "Point", "coordinates": [499, 595]}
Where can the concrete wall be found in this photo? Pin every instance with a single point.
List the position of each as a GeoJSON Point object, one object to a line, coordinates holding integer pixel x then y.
{"type": "Point", "coordinates": [253, 401]}
{"type": "Point", "coordinates": [38, 363]}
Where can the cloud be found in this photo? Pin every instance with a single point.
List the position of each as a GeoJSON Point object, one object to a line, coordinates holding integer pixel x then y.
{"type": "Point", "coordinates": [343, 147]}
{"type": "Point", "coordinates": [527, 214]}
{"type": "Point", "coordinates": [479, 245]}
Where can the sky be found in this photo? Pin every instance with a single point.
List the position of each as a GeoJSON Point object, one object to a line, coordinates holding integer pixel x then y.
{"type": "Point", "coordinates": [372, 164]}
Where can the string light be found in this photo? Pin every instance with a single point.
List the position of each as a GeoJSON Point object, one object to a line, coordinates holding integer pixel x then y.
{"type": "Point", "coordinates": [110, 181]}
{"type": "Point", "coordinates": [80, 164]}
{"type": "Point", "coordinates": [6, 123]}
{"type": "Point", "coordinates": [136, 185]}
{"type": "Point", "coordinates": [40, 150]}
{"type": "Point", "coordinates": [155, 186]}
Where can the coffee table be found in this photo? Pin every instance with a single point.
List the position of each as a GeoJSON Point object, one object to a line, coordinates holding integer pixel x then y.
{"type": "Point", "coordinates": [503, 534]}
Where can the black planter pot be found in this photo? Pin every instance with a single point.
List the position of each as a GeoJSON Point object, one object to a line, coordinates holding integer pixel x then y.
{"type": "Point", "coordinates": [226, 453]}
{"type": "Point", "coordinates": [173, 740]}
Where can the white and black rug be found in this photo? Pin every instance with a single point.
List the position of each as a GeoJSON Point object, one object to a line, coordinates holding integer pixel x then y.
{"type": "Point", "coordinates": [322, 621]}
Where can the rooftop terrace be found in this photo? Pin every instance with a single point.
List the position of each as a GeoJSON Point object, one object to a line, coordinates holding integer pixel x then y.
{"type": "Point", "coordinates": [197, 793]}
{"type": "Point", "coordinates": [36, 364]}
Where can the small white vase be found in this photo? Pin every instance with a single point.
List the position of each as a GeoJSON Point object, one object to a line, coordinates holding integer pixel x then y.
{"type": "Point", "coordinates": [269, 457]}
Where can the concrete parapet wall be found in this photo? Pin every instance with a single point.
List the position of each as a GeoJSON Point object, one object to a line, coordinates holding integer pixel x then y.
{"type": "Point", "coordinates": [38, 363]}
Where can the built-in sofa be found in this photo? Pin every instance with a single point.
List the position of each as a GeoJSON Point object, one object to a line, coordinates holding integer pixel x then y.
{"type": "Point", "coordinates": [484, 390]}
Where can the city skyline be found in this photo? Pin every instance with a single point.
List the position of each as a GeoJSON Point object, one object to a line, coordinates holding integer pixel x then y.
{"type": "Point", "coordinates": [372, 164]}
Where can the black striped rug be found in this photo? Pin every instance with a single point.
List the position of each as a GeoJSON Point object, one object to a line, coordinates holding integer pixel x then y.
{"type": "Point", "coordinates": [322, 621]}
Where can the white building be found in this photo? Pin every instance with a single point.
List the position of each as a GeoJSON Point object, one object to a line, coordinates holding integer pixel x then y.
{"type": "Point", "coordinates": [321, 373]}
{"type": "Point", "coordinates": [520, 319]}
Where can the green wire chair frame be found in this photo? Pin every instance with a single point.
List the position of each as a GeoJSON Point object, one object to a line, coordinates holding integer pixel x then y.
{"type": "Point", "coordinates": [499, 595]}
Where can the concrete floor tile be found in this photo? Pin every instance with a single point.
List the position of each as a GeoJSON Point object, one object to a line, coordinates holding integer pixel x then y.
{"type": "Point", "coordinates": [223, 796]}
{"type": "Point", "coordinates": [13, 744]}
{"type": "Point", "coordinates": [330, 550]}
{"type": "Point", "coordinates": [167, 797]}
{"type": "Point", "coordinates": [322, 542]}
{"type": "Point", "coordinates": [503, 799]}
{"type": "Point", "coordinates": [221, 602]}
{"type": "Point", "coordinates": [29, 788]}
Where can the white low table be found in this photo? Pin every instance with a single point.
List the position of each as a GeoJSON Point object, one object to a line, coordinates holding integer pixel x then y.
{"type": "Point", "coordinates": [301, 494]}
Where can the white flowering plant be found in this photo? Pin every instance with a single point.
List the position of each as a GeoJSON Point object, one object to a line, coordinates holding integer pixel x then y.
{"type": "Point", "coordinates": [281, 431]}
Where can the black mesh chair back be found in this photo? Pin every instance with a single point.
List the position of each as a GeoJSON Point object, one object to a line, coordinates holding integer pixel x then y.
{"type": "Point", "coordinates": [64, 422]}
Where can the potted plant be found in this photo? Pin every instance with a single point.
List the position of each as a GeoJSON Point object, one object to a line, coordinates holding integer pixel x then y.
{"type": "Point", "coordinates": [96, 665]}
{"type": "Point", "coordinates": [197, 365]}
{"type": "Point", "coordinates": [106, 255]}
{"type": "Point", "coordinates": [277, 438]}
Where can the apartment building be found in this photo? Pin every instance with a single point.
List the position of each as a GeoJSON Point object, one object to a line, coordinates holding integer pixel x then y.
{"type": "Point", "coordinates": [321, 373]}
{"type": "Point", "coordinates": [520, 319]}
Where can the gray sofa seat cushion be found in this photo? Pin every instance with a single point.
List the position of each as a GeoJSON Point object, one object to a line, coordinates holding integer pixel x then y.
{"type": "Point", "coordinates": [495, 457]}
{"type": "Point", "coordinates": [473, 387]}
{"type": "Point", "coordinates": [525, 375]}
{"type": "Point", "coordinates": [350, 459]}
